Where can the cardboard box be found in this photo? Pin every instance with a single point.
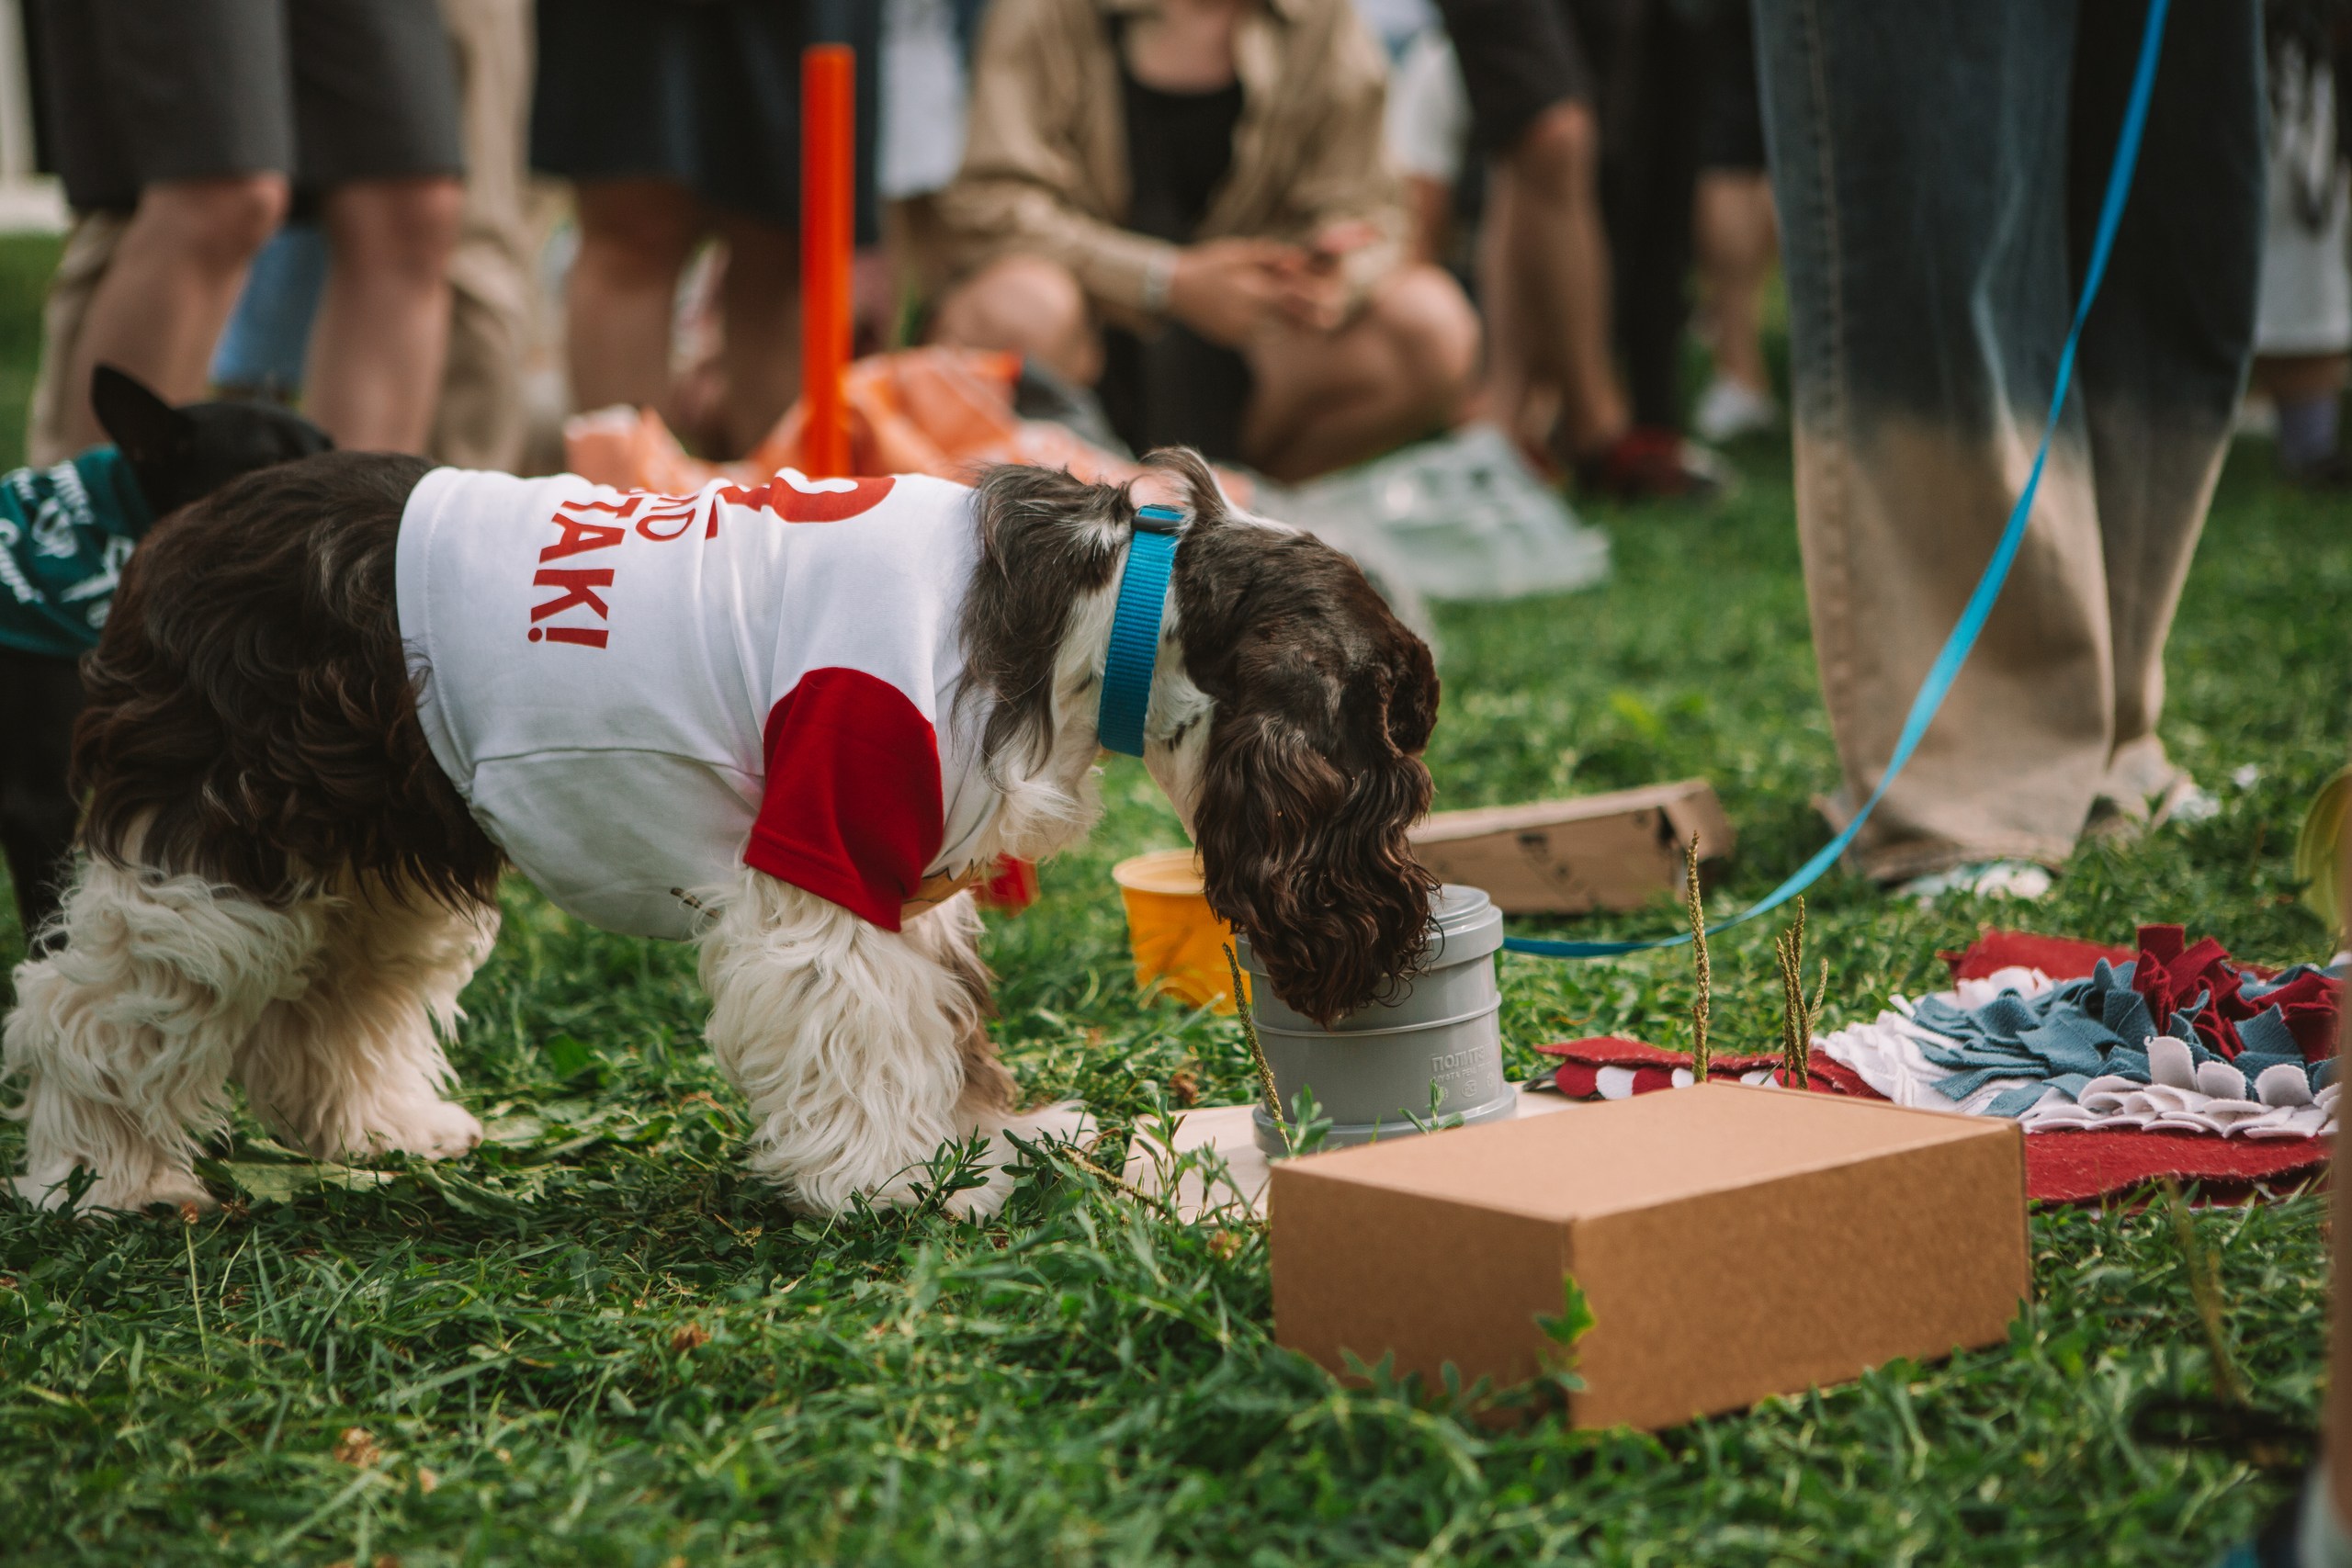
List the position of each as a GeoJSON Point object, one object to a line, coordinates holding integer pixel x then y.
{"type": "Point", "coordinates": [1732, 1241]}
{"type": "Point", "coordinates": [1570, 857]}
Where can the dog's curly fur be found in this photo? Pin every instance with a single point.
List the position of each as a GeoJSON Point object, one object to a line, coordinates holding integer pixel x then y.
{"type": "Point", "coordinates": [283, 887]}
{"type": "Point", "coordinates": [250, 717]}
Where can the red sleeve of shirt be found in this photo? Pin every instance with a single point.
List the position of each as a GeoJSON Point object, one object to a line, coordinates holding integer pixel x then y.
{"type": "Point", "coordinates": [851, 808]}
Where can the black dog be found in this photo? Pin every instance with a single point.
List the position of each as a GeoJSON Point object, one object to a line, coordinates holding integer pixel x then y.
{"type": "Point", "coordinates": [64, 533]}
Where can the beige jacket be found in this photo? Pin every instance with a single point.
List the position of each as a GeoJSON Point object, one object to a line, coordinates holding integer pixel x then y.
{"type": "Point", "coordinates": [1045, 159]}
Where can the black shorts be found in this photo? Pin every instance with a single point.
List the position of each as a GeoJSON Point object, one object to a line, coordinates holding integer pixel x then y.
{"type": "Point", "coordinates": [1519, 58]}
{"type": "Point", "coordinates": [324, 91]}
{"type": "Point", "coordinates": [705, 95]}
{"type": "Point", "coordinates": [1175, 388]}
{"type": "Point", "coordinates": [1731, 126]}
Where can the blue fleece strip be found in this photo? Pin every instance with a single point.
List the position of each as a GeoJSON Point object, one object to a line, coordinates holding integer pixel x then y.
{"type": "Point", "coordinates": [2063, 1036]}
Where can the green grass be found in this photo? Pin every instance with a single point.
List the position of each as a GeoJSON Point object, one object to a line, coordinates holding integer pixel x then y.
{"type": "Point", "coordinates": [603, 1345]}
{"type": "Point", "coordinates": [26, 261]}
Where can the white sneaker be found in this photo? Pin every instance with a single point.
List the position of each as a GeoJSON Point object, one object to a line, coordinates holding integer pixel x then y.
{"type": "Point", "coordinates": [2125, 818]}
{"type": "Point", "coordinates": [2183, 802]}
{"type": "Point", "coordinates": [1728, 410]}
{"type": "Point", "coordinates": [1985, 879]}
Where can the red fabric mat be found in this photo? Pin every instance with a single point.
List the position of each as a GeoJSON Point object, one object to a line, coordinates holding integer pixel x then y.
{"type": "Point", "coordinates": [2060, 1167]}
{"type": "Point", "coordinates": [2060, 957]}
{"type": "Point", "coordinates": [1841, 1078]}
{"type": "Point", "coordinates": [1615, 1051]}
{"type": "Point", "coordinates": [1580, 1080]}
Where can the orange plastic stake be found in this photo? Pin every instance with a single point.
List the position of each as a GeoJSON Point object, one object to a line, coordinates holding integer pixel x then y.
{"type": "Point", "coordinates": [828, 181]}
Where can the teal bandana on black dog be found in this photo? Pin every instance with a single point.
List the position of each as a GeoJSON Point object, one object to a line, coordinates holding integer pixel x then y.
{"type": "Point", "coordinates": [65, 533]}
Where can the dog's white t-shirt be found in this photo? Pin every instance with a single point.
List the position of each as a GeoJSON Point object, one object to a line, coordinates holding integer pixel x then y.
{"type": "Point", "coordinates": [635, 692]}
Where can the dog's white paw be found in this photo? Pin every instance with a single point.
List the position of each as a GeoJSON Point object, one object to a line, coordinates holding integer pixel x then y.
{"type": "Point", "coordinates": [982, 1202]}
{"type": "Point", "coordinates": [41, 1191]}
{"type": "Point", "coordinates": [1064, 1121]}
{"type": "Point", "coordinates": [430, 1128]}
{"type": "Point", "coordinates": [176, 1190]}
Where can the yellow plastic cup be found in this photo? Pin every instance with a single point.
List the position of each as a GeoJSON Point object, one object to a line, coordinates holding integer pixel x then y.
{"type": "Point", "coordinates": [1179, 945]}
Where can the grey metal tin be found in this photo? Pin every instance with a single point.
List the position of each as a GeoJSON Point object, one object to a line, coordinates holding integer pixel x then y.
{"type": "Point", "coordinates": [1372, 1070]}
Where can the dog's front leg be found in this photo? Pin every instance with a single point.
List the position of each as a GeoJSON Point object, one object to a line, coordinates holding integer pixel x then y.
{"type": "Point", "coordinates": [853, 1044]}
{"type": "Point", "coordinates": [950, 936]}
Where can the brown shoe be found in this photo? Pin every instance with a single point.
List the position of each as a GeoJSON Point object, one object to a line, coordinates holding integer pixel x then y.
{"type": "Point", "coordinates": [1649, 464]}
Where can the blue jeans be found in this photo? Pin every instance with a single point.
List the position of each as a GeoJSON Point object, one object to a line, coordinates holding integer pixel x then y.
{"type": "Point", "coordinates": [266, 344]}
{"type": "Point", "coordinates": [1938, 166]}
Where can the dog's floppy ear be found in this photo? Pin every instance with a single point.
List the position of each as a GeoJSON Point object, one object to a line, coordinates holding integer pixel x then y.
{"type": "Point", "coordinates": [146, 428]}
{"type": "Point", "coordinates": [1305, 797]}
{"type": "Point", "coordinates": [1408, 681]}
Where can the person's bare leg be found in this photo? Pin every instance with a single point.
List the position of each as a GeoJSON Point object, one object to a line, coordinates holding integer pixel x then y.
{"type": "Point", "coordinates": [1734, 230]}
{"type": "Point", "coordinates": [760, 348]}
{"type": "Point", "coordinates": [1556, 257]}
{"type": "Point", "coordinates": [635, 236]}
{"type": "Point", "coordinates": [82, 266]}
{"type": "Point", "coordinates": [1429, 206]}
{"type": "Point", "coordinates": [1400, 369]}
{"type": "Point", "coordinates": [1509, 379]}
{"type": "Point", "coordinates": [1026, 305]}
{"type": "Point", "coordinates": [159, 310]}
{"type": "Point", "coordinates": [383, 332]}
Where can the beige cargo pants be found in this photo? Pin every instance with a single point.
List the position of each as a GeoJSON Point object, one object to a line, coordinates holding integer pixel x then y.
{"type": "Point", "coordinates": [1938, 166]}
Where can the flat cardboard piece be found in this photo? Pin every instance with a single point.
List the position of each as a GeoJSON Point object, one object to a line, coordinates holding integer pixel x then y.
{"type": "Point", "coordinates": [1228, 1131]}
{"type": "Point", "coordinates": [1571, 857]}
{"type": "Point", "coordinates": [1733, 1243]}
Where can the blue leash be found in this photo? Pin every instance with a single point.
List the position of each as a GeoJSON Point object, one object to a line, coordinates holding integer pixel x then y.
{"type": "Point", "coordinates": [1956, 648]}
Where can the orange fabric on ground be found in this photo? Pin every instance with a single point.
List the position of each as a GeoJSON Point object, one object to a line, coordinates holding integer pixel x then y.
{"type": "Point", "coordinates": [943, 411]}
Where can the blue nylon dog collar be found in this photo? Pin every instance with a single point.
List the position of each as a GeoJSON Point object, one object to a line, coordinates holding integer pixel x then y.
{"type": "Point", "coordinates": [1134, 630]}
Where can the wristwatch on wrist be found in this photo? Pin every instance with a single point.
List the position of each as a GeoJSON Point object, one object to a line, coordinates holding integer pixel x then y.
{"type": "Point", "coordinates": [1158, 277]}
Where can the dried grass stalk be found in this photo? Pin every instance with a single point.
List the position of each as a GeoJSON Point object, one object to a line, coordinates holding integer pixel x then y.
{"type": "Point", "coordinates": [2205, 1290]}
{"type": "Point", "coordinates": [1797, 1015]}
{"type": "Point", "coordinates": [1258, 1053]}
{"type": "Point", "coordinates": [1701, 1053]}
